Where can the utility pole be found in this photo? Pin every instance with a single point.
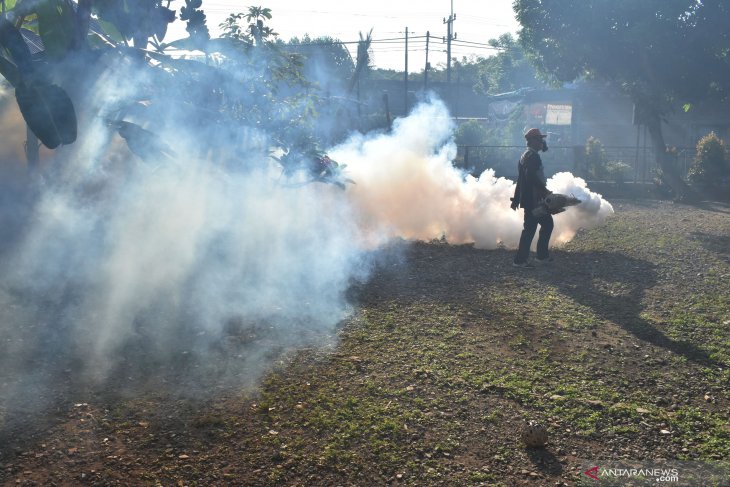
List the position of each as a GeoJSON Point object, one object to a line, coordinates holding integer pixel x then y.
{"type": "Point", "coordinates": [406, 74]}
{"type": "Point", "coordinates": [449, 37]}
{"type": "Point", "coordinates": [425, 69]}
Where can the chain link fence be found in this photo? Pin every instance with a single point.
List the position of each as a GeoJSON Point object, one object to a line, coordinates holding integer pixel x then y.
{"type": "Point", "coordinates": [625, 163]}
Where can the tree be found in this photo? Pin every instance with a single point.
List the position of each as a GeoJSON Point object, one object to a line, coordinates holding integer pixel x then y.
{"type": "Point", "coordinates": [255, 32]}
{"type": "Point", "coordinates": [325, 60]}
{"type": "Point", "coordinates": [470, 133]}
{"type": "Point", "coordinates": [275, 87]}
{"type": "Point", "coordinates": [45, 106]}
{"type": "Point", "coordinates": [137, 20]}
{"type": "Point", "coordinates": [508, 70]}
{"type": "Point", "coordinates": [249, 83]}
{"type": "Point", "coordinates": [363, 62]}
{"type": "Point", "coordinates": [64, 29]}
{"type": "Point", "coordinates": [662, 53]}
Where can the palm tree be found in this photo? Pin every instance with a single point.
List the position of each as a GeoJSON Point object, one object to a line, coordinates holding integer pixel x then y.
{"type": "Point", "coordinates": [363, 59]}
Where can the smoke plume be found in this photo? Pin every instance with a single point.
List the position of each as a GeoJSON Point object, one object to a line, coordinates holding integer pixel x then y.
{"type": "Point", "coordinates": [121, 269]}
{"type": "Point", "coordinates": [407, 187]}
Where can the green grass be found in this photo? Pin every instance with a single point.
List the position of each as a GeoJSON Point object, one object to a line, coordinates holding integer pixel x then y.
{"type": "Point", "coordinates": [621, 350]}
{"type": "Point", "coordinates": [538, 351]}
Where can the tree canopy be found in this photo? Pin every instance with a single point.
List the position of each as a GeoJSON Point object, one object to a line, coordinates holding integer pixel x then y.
{"type": "Point", "coordinates": [325, 59]}
{"type": "Point", "coordinates": [508, 70]}
{"type": "Point", "coordinates": [245, 79]}
{"type": "Point", "coordinates": [663, 53]}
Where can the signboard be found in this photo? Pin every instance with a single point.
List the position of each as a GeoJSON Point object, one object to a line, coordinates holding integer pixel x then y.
{"type": "Point", "coordinates": [558, 114]}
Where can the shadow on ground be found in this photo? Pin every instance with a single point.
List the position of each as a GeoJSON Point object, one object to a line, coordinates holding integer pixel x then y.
{"type": "Point", "coordinates": [545, 461]}
{"type": "Point", "coordinates": [611, 284]}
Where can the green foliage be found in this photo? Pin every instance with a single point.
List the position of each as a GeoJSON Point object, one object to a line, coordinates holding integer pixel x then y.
{"type": "Point", "coordinates": [195, 18]}
{"type": "Point", "coordinates": [710, 163]}
{"type": "Point", "coordinates": [617, 171]}
{"type": "Point", "coordinates": [638, 45]}
{"type": "Point", "coordinates": [48, 111]}
{"type": "Point", "coordinates": [143, 143]}
{"type": "Point", "coordinates": [508, 70]}
{"type": "Point", "coordinates": [57, 27]}
{"type": "Point", "coordinates": [9, 71]}
{"type": "Point", "coordinates": [325, 59]}
{"type": "Point", "coordinates": [470, 133]}
{"type": "Point", "coordinates": [465, 71]}
{"type": "Point", "coordinates": [661, 52]}
{"type": "Point", "coordinates": [255, 32]}
{"type": "Point", "coordinates": [595, 158]}
{"type": "Point", "coordinates": [362, 64]}
{"type": "Point", "coordinates": [7, 5]}
{"type": "Point", "coordinates": [46, 107]}
{"type": "Point", "coordinates": [137, 19]}
{"type": "Point", "coordinates": [18, 54]}
{"type": "Point", "coordinates": [392, 74]}
{"type": "Point", "coordinates": [253, 81]}
{"type": "Point", "coordinates": [269, 69]}
{"type": "Point", "coordinates": [598, 166]}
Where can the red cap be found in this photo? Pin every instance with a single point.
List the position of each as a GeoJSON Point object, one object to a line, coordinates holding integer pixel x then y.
{"type": "Point", "coordinates": [534, 134]}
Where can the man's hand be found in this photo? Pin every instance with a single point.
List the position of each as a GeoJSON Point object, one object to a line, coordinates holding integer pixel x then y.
{"type": "Point", "coordinates": [515, 204]}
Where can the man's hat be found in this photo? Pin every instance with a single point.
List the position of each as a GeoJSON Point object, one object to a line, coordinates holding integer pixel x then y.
{"type": "Point", "coordinates": [534, 134]}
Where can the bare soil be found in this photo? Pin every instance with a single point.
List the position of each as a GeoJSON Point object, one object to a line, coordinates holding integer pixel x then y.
{"type": "Point", "coordinates": [620, 347]}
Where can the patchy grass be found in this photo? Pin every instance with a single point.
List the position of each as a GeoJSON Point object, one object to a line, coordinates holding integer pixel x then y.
{"type": "Point", "coordinates": [621, 348]}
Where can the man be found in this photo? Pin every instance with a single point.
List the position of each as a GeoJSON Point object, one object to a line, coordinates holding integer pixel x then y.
{"type": "Point", "coordinates": [528, 193]}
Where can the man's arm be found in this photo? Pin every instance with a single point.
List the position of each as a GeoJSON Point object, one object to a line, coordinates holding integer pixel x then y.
{"type": "Point", "coordinates": [516, 197]}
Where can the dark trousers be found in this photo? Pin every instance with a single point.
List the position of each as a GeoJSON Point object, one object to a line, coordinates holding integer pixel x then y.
{"type": "Point", "coordinates": [528, 233]}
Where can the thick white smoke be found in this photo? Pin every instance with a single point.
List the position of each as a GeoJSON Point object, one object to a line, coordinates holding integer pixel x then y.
{"type": "Point", "coordinates": [122, 266]}
{"type": "Point", "coordinates": [119, 264]}
{"type": "Point", "coordinates": [592, 212]}
{"type": "Point", "coordinates": [407, 187]}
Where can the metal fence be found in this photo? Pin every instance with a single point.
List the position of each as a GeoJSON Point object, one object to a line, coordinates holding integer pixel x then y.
{"type": "Point", "coordinates": [639, 163]}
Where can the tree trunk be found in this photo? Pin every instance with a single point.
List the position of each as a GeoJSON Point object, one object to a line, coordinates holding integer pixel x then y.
{"type": "Point", "coordinates": [32, 150]}
{"type": "Point", "coordinates": [83, 15]}
{"type": "Point", "coordinates": [670, 172]}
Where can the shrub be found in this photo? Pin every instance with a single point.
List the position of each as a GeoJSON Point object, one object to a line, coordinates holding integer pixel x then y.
{"type": "Point", "coordinates": [710, 164]}
{"type": "Point", "coordinates": [617, 170]}
{"type": "Point", "coordinates": [595, 159]}
{"type": "Point", "coordinates": [470, 133]}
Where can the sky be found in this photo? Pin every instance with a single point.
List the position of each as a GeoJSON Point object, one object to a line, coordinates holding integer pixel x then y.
{"type": "Point", "coordinates": [475, 23]}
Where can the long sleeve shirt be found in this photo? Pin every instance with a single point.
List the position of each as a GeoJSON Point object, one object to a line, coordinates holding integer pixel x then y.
{"type": "Point", "coordinates": [531, 180]}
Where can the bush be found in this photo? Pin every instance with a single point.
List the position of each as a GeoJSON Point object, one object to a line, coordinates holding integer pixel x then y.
{"type": "Point", "coordinates": [595, 159]}
{"type": "Point", "coordinates": [617, 170]}
{"type": "Point", "coordinates": [710, 165]}
{"type": "Point", "coordinates": [470, 133]}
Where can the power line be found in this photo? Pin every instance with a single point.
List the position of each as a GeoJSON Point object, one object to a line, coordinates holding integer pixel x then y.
{"type": "Point", "coordinates": [484, 44]}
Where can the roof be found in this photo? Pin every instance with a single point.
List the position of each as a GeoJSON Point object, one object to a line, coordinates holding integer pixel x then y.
{"type": "Point", "coordinates": [33, 40]}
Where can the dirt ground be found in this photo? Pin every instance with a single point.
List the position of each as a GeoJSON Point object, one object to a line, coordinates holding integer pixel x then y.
{"type": "Point", "coordinates": [620, 348]}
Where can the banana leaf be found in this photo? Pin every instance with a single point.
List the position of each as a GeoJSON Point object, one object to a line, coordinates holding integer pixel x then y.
{"type": "Point", "coordinates": [57, 27]}
{"type": "Point", "coordinates": [12, 41]}
{"type": "Point", "coordinates": [9, 71]}
{"type": "Point", "coordinates": [9, 4]}
{"type": "Point", "coordinates": [48, 111]}
{"type": "Point", "coordinates": [111, 31]}
{"type": "Point", "coordinates": [185, 44]}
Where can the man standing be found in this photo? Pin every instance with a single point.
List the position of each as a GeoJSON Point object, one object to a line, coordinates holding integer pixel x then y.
{"type": "Point", "coordinates": [529, 192]}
